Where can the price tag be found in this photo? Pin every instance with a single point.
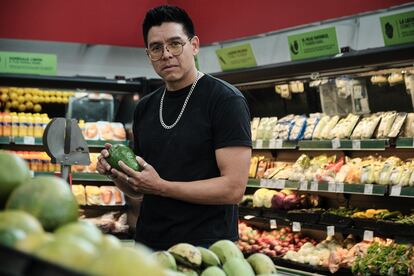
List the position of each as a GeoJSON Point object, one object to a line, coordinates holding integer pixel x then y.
{"type": "Point", "coordinates": [265, 183]}
{"type": "Point", "coordinates": [413, 141]}
{"type": "Point", "coordinates": [368, 235]}
{"type": "Point", "coordinates": [339, 187]}
{"type": "Point", "coordinates": [296, 226]}
{"type": "Point", "coordinates": [271, 183]}
{"type": "Point", "coordinates": [273, 224]}
{"type": "Point", "coordinates": [356, 144]}
{"type": "Point", "coordinates": [259, 143]}
{"type": "Point", "coordinates": [331, 187]}
{"type": "Point", "coordinates": [303, 185]}
{"type": "Point", "coordinates": [121, 81]}
{"type": "Point", "coordinates": [279, 143]}
{"type": "Point", "coordinates": [336, 143]}
{"type": "Point", "coordinates": [31, 173]}
{"type": "Point", "coordinates": [248, 217]}
{"type": "Point", "coordinates": [280, 184]}
{"type": "Point", "coordinates": [272, 144]}
{"type": "Point", "coordinates": [314, 186]}
{"type": "Point", "coordinates": [330, 231]}
{"type": "Point", "coordinates": [396, 190]}
{"type": "Point", "coordinates": [368, 189]}
{"type": "Point", "coordinates": [28, 140]}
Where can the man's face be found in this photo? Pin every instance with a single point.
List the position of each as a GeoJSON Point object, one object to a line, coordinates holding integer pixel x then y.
{"type": "Point", "coordinates": [172, 67]}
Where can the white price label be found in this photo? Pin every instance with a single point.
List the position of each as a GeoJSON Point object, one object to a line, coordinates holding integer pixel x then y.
{"type": "Point", "coordinates": [263, 182]}
{"type": "Point", "coordinates": [279, 144]}
{"type": "Point", "coordinates": [357, 92]}
{"type": "Point", "coordinates": [396, 190]}
{"type": "Point", "coordinates": [259, 143]}
{"type": "Point", "coordinates": [368, 189]}
{"type": "Point", "coordinates": [248, 217]}
{"type": "Point", "coordinates": [336, 143]}
{"type": "Point", "coordinates": [331, 187]}
{"type": "Point", "coordinates": [368, 235]}
{"type": "Point", "coordinates": [330, 231]}
{"type": "Point", "coordinates": [121, 81]}
{"type": "Point", "coordinates": [272, 144]}
{"type": "Point", "coordinates": [314, 186]}
{"type": "Point", "coordinates": [296, 226]}
{"type": "Point", "coordinates": [303, 185]}
{"type": "Point", "coordinates": [272, 183]}
{"type": "Point", "coordinates": [31, 173]}
{"type": "Point", "coordinates": [273, 224]}
{"type": "Point", "coordinates": [280, 184]}
{"type": "Point", "coordinates": [28, 140]}
{"type": "Point", "coordinates": [356, 144]}
{"type": "Point", "coordinates": [339, 187]}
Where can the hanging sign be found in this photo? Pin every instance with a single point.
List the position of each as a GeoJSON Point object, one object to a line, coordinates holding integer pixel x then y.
{"type": "Point", "coordinates": [398, 28]}
{"type": "Point", "coordinates": [28, 63]}
{"type": "Point", "coordinates": [236, 57]}
{"type": "Point", "coordinates": [313, 44]}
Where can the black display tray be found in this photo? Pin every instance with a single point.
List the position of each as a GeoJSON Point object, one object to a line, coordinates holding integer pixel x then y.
{"type": "Point", "coordinates": [310, 268]}
{"type": "Point", "coordinates": [306, 217]}
{"type": "Point", "coordinates": [335, 220]}
{"type": "Point", "coordinates": [390, 228]}
{"type": "Point", "coordinates": [367, 224]}
{"type": "Point", "coordinates": [17, 263]}
{"type": "Point", "coordinates": [274, 213]}
{"type": "Point", "coordinates": [244, 211]}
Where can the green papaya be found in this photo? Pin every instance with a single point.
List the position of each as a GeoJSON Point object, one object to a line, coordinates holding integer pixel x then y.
{"type": "Point", "coordinates": [120, 152]}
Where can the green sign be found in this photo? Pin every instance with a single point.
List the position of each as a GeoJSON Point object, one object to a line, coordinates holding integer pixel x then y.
{"type": "Point", "coordinates": [236, 57]}
{"type": "Point", "coordinates": [313, 44]}
{"type": "Point", "coordinates": [28, 63]}
{"type": "Point", "coordinates": [398, 28]}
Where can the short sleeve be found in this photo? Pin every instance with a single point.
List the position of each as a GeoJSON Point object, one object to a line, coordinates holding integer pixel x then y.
{"type": "Point", "coordinates": [231, 123]}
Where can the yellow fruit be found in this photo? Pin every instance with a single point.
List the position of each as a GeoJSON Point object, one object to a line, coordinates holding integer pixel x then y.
{"type": "Point", "coordinates": [65, 100]}
{"type": "Point", "coordinates": [22, 107]}
{"type": "Point", "coordinates": [29, 105]}
{"type": "Point", "coordinates": [21, 99]}
{"type": "Point", "coordinates": [37, 108]}
{"type": "Point", "coordinates": [47, 99]}
{"type": "Point", "coordinates": [13, 96]}
{"type": "Point", "coordinates": [59, 100]}
{"type": "Point", "coordinates": [4, 97]}
{"type": "Point", "coordinates": [35, 99]}
{"type": "Point", "coordinates": [8, 105]}
{"type": "Point", "coordinates": [41, 99]}
{"type": "Point", "coordinates": [28, 97]}
{"type": "Point", "coordinates": [15, 104]}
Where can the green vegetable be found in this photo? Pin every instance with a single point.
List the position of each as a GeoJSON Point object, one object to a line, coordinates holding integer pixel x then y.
{"type": "Point", "coordinates": [123, 153]}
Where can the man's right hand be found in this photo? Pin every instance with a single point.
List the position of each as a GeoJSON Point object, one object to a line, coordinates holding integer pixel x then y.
{"type": "Point", "coordinates": [102, 166]}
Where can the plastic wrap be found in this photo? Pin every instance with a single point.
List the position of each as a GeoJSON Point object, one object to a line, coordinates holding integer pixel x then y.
{"type": "Point", "coordinates": [366, 127]}
{"type": "Point", "coordinates": [298, 128]}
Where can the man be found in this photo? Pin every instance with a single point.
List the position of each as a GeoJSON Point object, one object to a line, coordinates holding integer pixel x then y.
{"type": "Point", "coordinates": [192, 138]}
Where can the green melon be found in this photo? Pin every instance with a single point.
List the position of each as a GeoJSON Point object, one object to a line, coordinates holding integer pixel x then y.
{"type": "Point", "coordinates": [48, 198]}
{"type": "Point", "coordinates": [13, 172]}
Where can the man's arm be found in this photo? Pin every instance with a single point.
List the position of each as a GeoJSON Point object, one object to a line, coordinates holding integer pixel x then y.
{"type": "Point", "coordinates": [228, 188]}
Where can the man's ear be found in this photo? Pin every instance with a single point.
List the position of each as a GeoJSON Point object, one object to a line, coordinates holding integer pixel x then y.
{"type": "Point", "coordinates": [195, 44]}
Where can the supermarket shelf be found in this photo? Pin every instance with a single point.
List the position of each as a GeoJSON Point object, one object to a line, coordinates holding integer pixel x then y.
{"type": "Point", "coordinates": [313, 186]}
{"type": "Point", "coordinates": [274, 144]}
{"type": "Point", "coordinates": [31, 141]}
{"type": "Point", "coordinates": [399, 191]}
{"type": "Point", "coordinates": [82, 177]}
{"type": "Point", "coordinates": [104, 207]}
{"type": "Point", "coordinates": [404, 143]}
{"type": "Point", "coordinates": [344, 144]}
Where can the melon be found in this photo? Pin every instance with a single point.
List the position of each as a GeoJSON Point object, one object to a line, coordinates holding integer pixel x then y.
{"type": "Point", "coordinates": [13, 173]}
{"type": "Point", "coordinates": [20, 220]}
{"type": "Point", "coordinates": [48, 198]}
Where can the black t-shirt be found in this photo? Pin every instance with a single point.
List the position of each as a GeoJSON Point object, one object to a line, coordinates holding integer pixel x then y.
{"type": "Point", "coordinates": [216, 116]}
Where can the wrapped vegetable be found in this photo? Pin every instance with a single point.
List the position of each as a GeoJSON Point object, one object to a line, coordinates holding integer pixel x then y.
{"type": "Point", "coordinates": [379, 80]}
{"type": "Point", "coordinates": [345, 126]}
{"type": "Point", "coordinates": [254, 125]}
{"type": "Point", "coordinates": [387, 168]}
{"type": "Point", "coordinates": [259, 196]}
{"type": "Point", "coordinates": [299, 168]}
{"type": "Point", "coordinates": [366, 127]}
{"type": "Point", "coordinates": [298, 128]}
{"type": "Point", "coordinates": [270, 129]}
{"type": "Point", "coordinates": [396, 126]}
{"type": "Point", "coordinates": [327, 130]}
{"type": "Point", "coordinates": [317, 133]}
{"type": "Point", "coordinates": [406, 174]}
{"type": "Point", "coordinates": [311, 123]}
{"type": "Point", "coordinates": [262, 128]}
{"type": "Point", "coordinates": [387, 119]}
{"type": "Point", "coordinates": [395, 175]}
{"type": "Point", "coordinates": [409, 125]}
{"type": "Point", "coordinates": [395, 78]}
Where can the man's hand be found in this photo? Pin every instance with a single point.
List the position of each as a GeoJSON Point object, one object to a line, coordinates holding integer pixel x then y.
{"type": "Point", "coordinates": [146, 181]}
{"type": "Point", "coordinates": [102, 166]}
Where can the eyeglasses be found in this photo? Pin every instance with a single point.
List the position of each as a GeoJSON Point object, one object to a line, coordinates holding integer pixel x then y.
{"type": "Point", "coordinates": [174, 47]}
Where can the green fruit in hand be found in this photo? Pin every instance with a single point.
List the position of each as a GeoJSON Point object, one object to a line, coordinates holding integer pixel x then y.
{"type": "Point", "coordinates": [209, 258]}
{"type": "Point", "coordinates": [120, 152]}
{"type": "Point", "coordinates": [13, 173]}
{"type": "Point", "coordinates": [48, 198]}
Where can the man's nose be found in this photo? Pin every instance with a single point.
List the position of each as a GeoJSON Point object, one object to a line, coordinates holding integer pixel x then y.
{"type": "Point", "coordinates": [166, 52]}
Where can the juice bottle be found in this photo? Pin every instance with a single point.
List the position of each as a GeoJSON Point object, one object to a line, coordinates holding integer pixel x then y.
{"type": "Point", "coordinates": [15, 124]}
{"type": "Point", "coordinates": [30, 127]}
{"type": "Point", "coordinates": [38, 129]}
{"type": "Point", "coordinates": [1, 124]}
{"type": "Point", "coordinates": [22, 125]}
{"type": "Point", "coordinates": [45, 121]}
{"type": "Point", "coordinates": [6, 124]}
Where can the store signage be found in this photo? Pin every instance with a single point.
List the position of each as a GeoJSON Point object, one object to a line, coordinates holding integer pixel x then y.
{"type": "Point", "coordinates": [236, 57]}
{"type": "Point", "coordinates": [313, 44]}
{"type": "Point", "coordinates": [398, 28]}
{"type": "Point", "coordinates": [28, 63]}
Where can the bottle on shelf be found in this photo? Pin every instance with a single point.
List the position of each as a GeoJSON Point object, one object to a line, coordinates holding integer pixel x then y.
{"type": "Point", "coordinates": [30, 127]}
{"type": "Point", "coordinates": [38, 129]}
{"type": "Point", "coordinates": [1, 124]}
{"type": "Point", "coordinates": [7, 121]}
{"type": "Point", "coordinates": [15, 124]}
{"type": "Point", "coordinates": [22, 125]}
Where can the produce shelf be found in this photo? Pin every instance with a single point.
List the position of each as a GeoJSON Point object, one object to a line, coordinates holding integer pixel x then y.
{"type": "Point", "coordinates": [278, 184]}
{"type": "Point", "coordinates": [274, 144]}
{"type": "Point", "coordinates": [396, 190]}
{"type": "Point", "coordinates": [404, 143]}
{"type": "Point", "coordinates": [344, 144]}
{"type": "Point", "coordinates": [82, 177]}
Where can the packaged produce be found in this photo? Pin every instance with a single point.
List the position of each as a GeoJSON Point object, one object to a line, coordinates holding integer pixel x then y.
{"type": "Point", "coordinates": [311, 123]}
{"type": "Point", "coordinates": [366, 127]}
{"type": "Point", "coordinates": [296, 87]}
{"type": "Point", "coordinates": [91, 131]}
{"type": "Point", "coordinates": [283, 127]}
{"type": "Point", "coordinates": [261, 128]}
{"type": "Point", "coordinates": [298, 129]}
{"type": "Point", "coordinates": [379, 80]}
{"type": "Point", "coordinates": [93, 195]}
{"type": "Point", "coordinates": [254, 125]}
{"type": "Point", "coordinates": [387, 119]}
{"type": "Point", "coordinates": [395, 78]}
{"type": "Point", "coordinates": [118, 130]}
{"type": "Point", "coordinates": [79, 192]}
{"type": "Point", "coordinates": [389, 164]}
{"type": "Point", "coordinates": [270, 129]}
{"type": "Point", "coordinates": [345, 126]}
{"type": "Point", "coordinates": [406, 174]}
{"type": "Point", "coordinates": [409, 125]}
{"type": "Point", "coordinates": [298, 169]}
{"type": "Point", "coordinates": [317, 133]}
{"type": "Point", "coordinates": [327, 130]}
{"type": "Point", "coordinates": [396, 126]}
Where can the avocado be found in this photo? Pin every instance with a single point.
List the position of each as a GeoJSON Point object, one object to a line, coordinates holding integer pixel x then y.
{"type": "Point", "coordinates": [123, 153]}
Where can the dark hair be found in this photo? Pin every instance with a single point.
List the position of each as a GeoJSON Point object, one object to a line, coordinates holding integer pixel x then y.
{"type": "Point", "coordinates": [167, 13]}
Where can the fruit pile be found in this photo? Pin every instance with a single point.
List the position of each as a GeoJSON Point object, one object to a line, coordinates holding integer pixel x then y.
{"type": "Point", "coordinates": [220, 259]}
{"type": "Point", "coordinates": [273, 243]}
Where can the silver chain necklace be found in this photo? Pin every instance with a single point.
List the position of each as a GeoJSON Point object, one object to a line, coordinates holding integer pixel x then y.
{"type": "Point", "coordinates": [164, 125]}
